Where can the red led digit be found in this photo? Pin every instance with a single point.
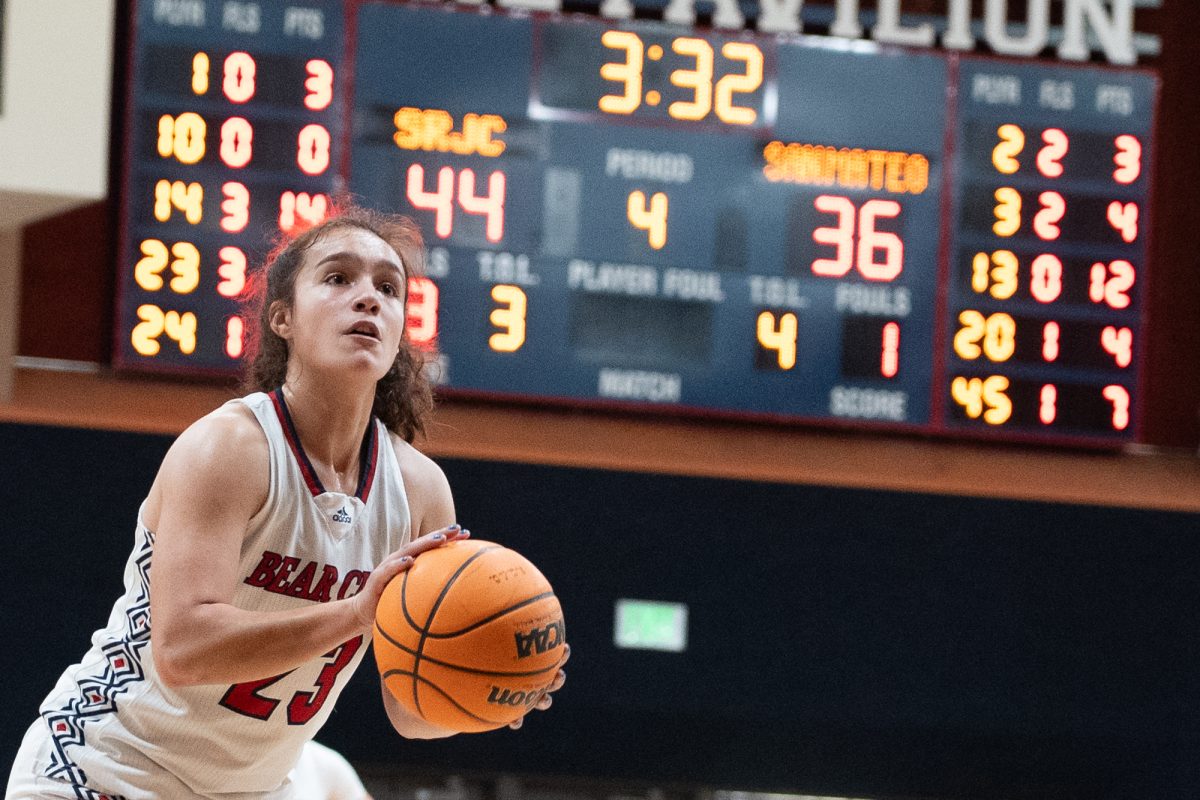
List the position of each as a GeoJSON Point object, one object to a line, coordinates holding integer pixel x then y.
{"type": "Point", "coordinates": [1118, 343]}
{"type": "Point", "coordinates": [1050, 341]}
{"type": "Point", "coordinates": [490, 206]}
{"type": "Point", "coordinates": [1119, 397]}
{"type": "Point", "coordinates": [239, 77]}
{"type": "Point", "coordinates": [1049, 159]}
{"type": "Point", "coordinates": [235, 337]}
{"type": "Point", "coordinates": [301, 208]}
{"type": "Point", "coordinates": [237, 142]}
{"type": "Point", "coordinates": [1110, 284]}
{"type": "Point", "coordinates": [1124, 219]}
{"type": "Point", "coordinates": [1046, 283]}
{"type": "Point", "coordinates": [1128, 159]}
{"type": "Point", "coordinates": [890, 363]}
{"type": "Point", "coordinates": [871, 240]}
{"type": "Point", "coordinates": [1048, 406]}
{"type": "Point", "coordinates": [232, 272]}
{"type": "Point", "coordinates": [422, 312]}
{"type": "Point", "coordinates": [841, 237]}
{"type": "Point", "coordinates": [312, 149]}
{"type": "Point", "coordinates": [1045, 223]}
{"type": "Point", "coordinates": [438, 201]}
{"type": "Point", "coordinates": [235, 208]}
{"type": "Point", "coordinates": [318, 85]}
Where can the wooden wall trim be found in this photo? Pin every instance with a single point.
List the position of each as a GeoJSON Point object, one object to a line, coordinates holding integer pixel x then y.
{"type": "Point", "coordinates": [606, 440]}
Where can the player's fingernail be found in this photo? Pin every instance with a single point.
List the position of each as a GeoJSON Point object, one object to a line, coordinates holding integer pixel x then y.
{"type": "Point", "coordinates": [439, 537]}
{"type": "Point", "coordinates": [406, 560]}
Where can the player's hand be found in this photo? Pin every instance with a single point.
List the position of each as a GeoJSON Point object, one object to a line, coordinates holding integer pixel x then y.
{"type": "Point", "coordinates": [366, 601]}
{"type": "Point", "coordinates": [545, 701]}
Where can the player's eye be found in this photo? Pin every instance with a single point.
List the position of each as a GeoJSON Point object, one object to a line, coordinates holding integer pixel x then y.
{"type": "Point", "coordinates": [335, 278]}
{"type": "Point", "coordinates": [389, 289]}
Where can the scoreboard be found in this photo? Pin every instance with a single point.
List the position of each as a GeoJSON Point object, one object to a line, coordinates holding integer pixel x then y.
{"type": "Point", "coordinates": [636, 214]}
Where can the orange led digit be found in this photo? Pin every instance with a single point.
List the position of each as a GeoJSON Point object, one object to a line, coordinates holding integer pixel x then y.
{"type": "Point", "coordinates": [1004, 154]}
{"type": "Point", "coordinates": [993, 336]}
{"type": "Point", "coordinates": [651, 218]}
{"type": "Point", "coordinates": [177, 195]}
{"type": "Point", "coordinates": [510, 317]}
{"type": "Point", "coordinates": [698, 79]}
{"type": "Point", "coordinates": [780, 336]}
{"type": "Point", "coordinates": [182, 137]}
{"type": "Point", "coordinates": [200, 65]}
{"type": "Point", "coordinates": [734, 83]}
{"type": "Point", "coordinates": [995, 274]}
{"type": "Point", "coordinates": [627, 72]}
{"type": "Point", "coordinates": [153, 262]}
{"type": "Point", "coordinates": [983, 397]}
{"type": "Point", "coordinates": [1008, 211]}
{"type": "Point", "coordinates": [186, 266]}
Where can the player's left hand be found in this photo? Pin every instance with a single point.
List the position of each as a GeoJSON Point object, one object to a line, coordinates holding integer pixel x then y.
{"type": "Point", "coordinates": [545, 701]}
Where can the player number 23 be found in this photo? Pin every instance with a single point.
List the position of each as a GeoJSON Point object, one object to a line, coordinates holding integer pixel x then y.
{"type": "Point", "coordinates": [247, 698]}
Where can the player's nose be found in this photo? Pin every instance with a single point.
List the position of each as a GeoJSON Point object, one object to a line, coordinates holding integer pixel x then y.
{"type": "Point", "coordinates": [366, 299]}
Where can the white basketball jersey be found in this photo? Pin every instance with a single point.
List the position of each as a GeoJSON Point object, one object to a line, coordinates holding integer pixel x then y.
{"type": "Point", "coordinates": [114, 727]}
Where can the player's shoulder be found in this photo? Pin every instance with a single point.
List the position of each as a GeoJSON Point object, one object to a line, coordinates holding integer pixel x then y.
{"type": "Point", "coordinates": [420, 472]}
{"type": "Point", "coordinates": [226, 445]}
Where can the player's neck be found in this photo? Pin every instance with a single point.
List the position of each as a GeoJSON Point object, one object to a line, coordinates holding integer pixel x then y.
{"type": "Point", "coordinates": [330, 425]}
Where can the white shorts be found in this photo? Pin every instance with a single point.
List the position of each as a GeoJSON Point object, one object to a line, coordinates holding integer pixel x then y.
{"type": "Point", "coordinates": [26, 781]}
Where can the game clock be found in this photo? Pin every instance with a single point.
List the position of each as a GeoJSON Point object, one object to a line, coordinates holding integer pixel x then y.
{"type": "Point", "coordinates": [638, 215]}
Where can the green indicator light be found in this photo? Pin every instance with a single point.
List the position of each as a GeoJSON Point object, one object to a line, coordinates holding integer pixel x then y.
{"type": "Point", "coordinates": [650, 625]}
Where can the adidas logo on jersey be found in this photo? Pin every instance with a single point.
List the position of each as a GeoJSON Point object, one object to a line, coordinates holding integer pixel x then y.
{"type": "Point", "coordinates": [341, 516]}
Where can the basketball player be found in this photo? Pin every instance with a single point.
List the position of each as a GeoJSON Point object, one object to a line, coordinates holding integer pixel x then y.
{"type": "Point", "coordinates": [268, 535]}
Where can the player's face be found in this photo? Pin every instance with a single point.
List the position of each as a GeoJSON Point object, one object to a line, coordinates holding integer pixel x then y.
{"type": "Point", "coordinates": [348, 307]}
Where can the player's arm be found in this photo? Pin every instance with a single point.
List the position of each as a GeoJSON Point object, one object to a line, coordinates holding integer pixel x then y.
{"type": "Point", "coordinates": [212, 481]}
{"type": "Point", "coordinates": [431, 506]}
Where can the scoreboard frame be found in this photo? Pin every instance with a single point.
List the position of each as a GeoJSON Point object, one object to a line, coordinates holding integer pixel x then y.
{"type": "Point", "coordinates": [936, 425]}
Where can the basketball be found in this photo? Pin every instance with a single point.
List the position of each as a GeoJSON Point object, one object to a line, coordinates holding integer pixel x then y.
{"type": "Point", "coordinates": [469, 637]}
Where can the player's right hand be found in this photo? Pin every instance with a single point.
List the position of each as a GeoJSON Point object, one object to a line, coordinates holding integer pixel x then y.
{"type": "Point", "coordinates": [366, 601]}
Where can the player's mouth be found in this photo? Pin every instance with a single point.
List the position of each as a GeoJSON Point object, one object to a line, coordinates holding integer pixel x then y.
{"type": "Point", "coordinates": [365, 329]}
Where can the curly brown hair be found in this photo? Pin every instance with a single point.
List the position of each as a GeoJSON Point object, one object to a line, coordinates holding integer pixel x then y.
{"type": "Point", "coordinates": [403, 397]}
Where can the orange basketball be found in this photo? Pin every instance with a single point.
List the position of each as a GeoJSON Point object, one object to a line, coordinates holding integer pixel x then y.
{"type": "Point", "coordinates": [470, 636]}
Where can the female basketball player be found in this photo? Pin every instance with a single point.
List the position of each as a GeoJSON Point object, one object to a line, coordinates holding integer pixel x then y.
{"type": "Point", "coordinates": [272, 528]}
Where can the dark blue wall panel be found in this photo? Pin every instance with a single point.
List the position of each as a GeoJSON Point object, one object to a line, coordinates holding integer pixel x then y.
{"type": "Point", "coordinates": [841, 641]}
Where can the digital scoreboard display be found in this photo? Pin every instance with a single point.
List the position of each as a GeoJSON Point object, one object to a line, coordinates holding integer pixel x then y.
{"type": "Point", "coordinates": [628, 212]}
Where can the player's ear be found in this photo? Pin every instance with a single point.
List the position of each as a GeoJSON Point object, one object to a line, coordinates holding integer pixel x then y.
{"type": "Point", "coordinates": [280, 316]}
